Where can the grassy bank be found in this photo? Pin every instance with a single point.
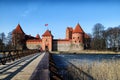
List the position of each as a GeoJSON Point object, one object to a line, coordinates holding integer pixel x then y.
{"type": "Point", "coordinates": [104, 70]}
{"type": "Point", "coordinates": [86, 52]}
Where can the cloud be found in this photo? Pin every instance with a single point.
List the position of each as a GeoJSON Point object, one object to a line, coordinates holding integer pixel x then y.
{"type": "Point", "coordinates": [29, 11]}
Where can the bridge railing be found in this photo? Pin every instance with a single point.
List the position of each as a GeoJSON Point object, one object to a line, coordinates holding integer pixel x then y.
{"type": "Point", "coordinates": [11, 55]}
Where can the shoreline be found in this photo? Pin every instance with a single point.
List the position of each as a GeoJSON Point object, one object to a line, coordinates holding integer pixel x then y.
{"type": "Point", "coordinates": [85, 52]}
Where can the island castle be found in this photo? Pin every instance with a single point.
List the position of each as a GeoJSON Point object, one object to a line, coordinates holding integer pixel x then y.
{"type": "Point", "coordinates": [76, 39]}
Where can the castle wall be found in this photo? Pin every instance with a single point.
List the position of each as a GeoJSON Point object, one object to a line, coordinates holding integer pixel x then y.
{"type": "Point", "coordinates": [77, 47]}
{"type": "Point", "coordinates": [61, 45]}
{"type": "Point", "coordinates": [57, 46]}
{"type": "Point", "coordinates": [33, 45]}
{"type": "Point", "coordinates": [66, 45]}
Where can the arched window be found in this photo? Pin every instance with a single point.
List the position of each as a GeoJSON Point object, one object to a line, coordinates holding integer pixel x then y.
{"type": "Point", "coordinates": [75, 41]}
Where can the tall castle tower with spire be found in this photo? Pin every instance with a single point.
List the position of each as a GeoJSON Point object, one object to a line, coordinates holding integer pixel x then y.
{"type": "Point", "coordinates": [76, 39]}
{"type": "Point", "coordinates": [18, 37]}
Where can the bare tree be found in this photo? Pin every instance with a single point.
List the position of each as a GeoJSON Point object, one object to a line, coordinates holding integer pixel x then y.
{"type": "Point", "coordinates": [113, 38]}
{"type": "Point", "coordinates": [98, 41]}
{"type": "Point", "coordinates": [9, 40]}
{"type": "Point", "coordinates": [2, 40]}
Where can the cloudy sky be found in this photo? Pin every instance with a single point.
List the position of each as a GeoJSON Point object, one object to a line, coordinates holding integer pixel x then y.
{"type": "Point", "coordinates": [32, 15]}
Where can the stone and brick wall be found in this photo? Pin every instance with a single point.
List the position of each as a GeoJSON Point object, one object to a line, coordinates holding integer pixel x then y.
{"type": "Point", "coordinates": [66, 45]}
{"type": "Point", "coordinates": [61, 45]}
{"type": "Point", "coordinates": [33, 44]}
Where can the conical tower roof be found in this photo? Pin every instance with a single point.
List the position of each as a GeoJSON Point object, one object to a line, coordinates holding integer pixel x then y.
{"type": "Point", "coordinates": [78, 29]}
{"type": "Point", "coordinates": [38, 36]}
{"type": "Point", "coordinates": [47, 33]}
{"type": "Point", "coordinates": [18, 29]}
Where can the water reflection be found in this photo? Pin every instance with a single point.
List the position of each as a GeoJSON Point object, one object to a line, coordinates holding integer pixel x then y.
{"type": "Point", "coordinates": [61, 59]}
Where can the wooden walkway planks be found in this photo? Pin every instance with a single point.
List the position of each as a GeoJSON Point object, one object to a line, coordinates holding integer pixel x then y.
{"type": "Point", "coordinates": [42, 70]}
{"type": "Point", "coordinates": [29, 69]}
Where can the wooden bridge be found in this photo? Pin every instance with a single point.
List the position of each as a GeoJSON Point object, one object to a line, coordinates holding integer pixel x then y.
{"type": "Point", "coordinates": [34, 65]}
{"type": "Point", "coordinates": [25, 65]}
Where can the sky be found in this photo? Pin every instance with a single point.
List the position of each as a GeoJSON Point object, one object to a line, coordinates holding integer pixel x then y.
{"type": "Point", "coordinates": [32, 15]}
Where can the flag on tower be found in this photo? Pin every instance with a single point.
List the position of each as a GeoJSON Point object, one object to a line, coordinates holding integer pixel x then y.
{"type": "Point", "coordinates": [46, 24]}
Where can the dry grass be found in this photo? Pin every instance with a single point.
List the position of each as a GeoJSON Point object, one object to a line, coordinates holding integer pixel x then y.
{"type": "Point", "coordinates": [86, 52]}
{"type": "Point", "coordinates": [104, 70]}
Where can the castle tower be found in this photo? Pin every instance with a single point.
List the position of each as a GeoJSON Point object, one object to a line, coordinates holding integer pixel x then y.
{"type": "Point", "coordinates": [78, 35]}
{"type": "Point", "coordinates": [47, 40]}
{"type": "Point", "coordinates": [18, 37]}
{"type": "Point", "coordinates": [38, 36]}
{"type": "Point", "coordinates": [69, 32]}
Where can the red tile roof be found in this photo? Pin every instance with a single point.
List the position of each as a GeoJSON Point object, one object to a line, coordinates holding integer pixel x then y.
{"type": "Point", "coordinates": [38, 36]}
{"type": "Point", "coordinates": [78, 29]}
{"type": "Point", "coordinates": [18, 29]}
{"type": "Point", "coordinates": [47, 33]}
{"type": "Point", "coordinates": [29, 37]}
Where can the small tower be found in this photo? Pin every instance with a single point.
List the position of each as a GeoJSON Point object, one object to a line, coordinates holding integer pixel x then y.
{"type": "Point", "coordinates": [69, 32]}
{"type": "Point", "coordinates": [47, 38]}
{"type": "Point", "coordinates": [18, 38]}
{"type": "Point", "coordinates": [78, 35]}
{"type": "Point", "coordinates": [38, 36]}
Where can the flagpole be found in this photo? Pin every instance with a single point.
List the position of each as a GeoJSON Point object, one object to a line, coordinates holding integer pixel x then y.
{"type": "Point", "coordinates": [46, 26]}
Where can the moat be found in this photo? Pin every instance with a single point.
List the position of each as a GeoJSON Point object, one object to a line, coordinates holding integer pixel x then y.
{"type": "Point", "coordinates": [85, 57]}
{"type": "Point", "coordinates": [88, 63]}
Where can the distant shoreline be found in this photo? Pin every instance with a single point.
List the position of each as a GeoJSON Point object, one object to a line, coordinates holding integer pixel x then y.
{"type": "Point", "coordinates": [85, 52]}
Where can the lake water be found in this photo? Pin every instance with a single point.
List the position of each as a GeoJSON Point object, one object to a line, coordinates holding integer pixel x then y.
{"type": "Point", "coordinates": [0, 54]}
{"type": "Point", "coordinates": [61, 59]}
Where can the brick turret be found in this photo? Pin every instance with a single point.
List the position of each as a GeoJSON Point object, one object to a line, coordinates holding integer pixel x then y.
{"type": "Point", "coordinates": [47, 38]}
{"type": "Point", "coordinates": [78, 34]}
{"type": "Point", "coordinates": [69, 31]}
{"type": "Point", "coordinates": [18, 37]}
{"type": "Point", "coordinates": [38, 36]}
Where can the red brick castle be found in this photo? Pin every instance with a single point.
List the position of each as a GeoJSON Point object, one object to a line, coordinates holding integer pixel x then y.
{"type": "Point", "coordinates": [76, 39]}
